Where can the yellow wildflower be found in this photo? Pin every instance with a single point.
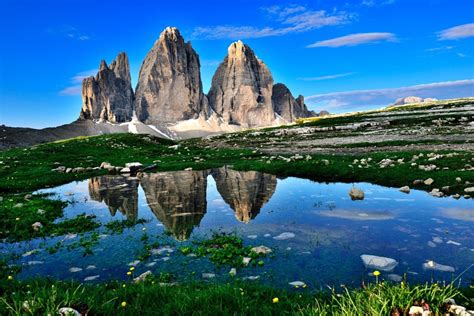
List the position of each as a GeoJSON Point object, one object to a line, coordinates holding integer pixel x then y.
{"type": "Point", "coordinates": [17, 219]}
{"type": "Point", "coordinates": [123, 285]}
{"type": "Point", "coordinates": [10, 277]}
{"type": "Point", "coordinates": [132, 268]}
{"type": "Point", "coordinates": [376, 273]}
{"type": "Point", "coordinates": [275, 300]}
{"type": "Point", "coordinates": [123, 304]}
{"type": "Point", "coordinates": [129, 273]}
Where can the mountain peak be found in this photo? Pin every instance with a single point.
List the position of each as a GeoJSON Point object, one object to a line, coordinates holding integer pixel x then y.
{"type": "Point", "coordinates": [171, 33]}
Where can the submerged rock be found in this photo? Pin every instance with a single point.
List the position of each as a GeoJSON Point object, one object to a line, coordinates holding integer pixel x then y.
{"type": "Point", "coordinates": [92, 278]}
{"type": "Point", "coordinates": [394, 277]}
{"type": "Point", "coordinates": [379, 263]}
{"type": "Point", "coordinates": [297, 284]}
{"type": "Point", "coordinates": [208, 275]}
{"type": "Point", "coordinates": [142, 277]}
{"type": "Point", "coordinates": [284, 236]}
{"type": "Point", "coordinates": [261, 250]}
{"type": "Point", "coordinates": [431, 265]}
{"type": "Point", "coordinates": [75, 269]}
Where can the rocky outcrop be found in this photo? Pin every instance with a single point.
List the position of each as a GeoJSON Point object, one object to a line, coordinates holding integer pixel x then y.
{"type": "Point", "coordinates": [169, 85]}
{"type": "Point", "coordinates": [178, 199]}
{"type": "Point", "coordinates": [411, 99]}
{"type": "Point", "coordinates": [118, 193]}
{"type": "Point", "coordinates": [245, 191]}
{"type": "Point", "coordinates": [241, 90]}
{"type": "Point", "coordinates": [285, 105]}
{"type": "Point", "coordinates": [109, 95]}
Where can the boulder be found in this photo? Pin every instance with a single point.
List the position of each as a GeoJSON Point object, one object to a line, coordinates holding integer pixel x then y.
{"type": "Point", "coordinates": [261, 250]}
{"type": "Point", "coordinates": [431, 265]}
{"type": "Point", "coordinates": [405, 189]}
{"type": "Point", "coordinates": [379, 263]}
{"type": "Point", "coordinates": [142, 277]}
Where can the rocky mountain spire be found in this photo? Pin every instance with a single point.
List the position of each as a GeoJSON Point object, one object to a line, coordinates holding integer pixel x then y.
{"type": "Point", "coordinates": [241, 88]}
{"type": "Point", "coordinates": [286, 106]}
{"type": "Point", "coordinates": [169, 85]}
{"type": "Point", "coordinates": [109, 95]}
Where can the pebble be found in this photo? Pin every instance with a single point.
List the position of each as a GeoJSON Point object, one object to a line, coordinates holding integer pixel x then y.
{"type": "Point", "coordinates": [252, 236]}
{"type": "Point", "coordinates": [297, 283]}
{"type": "Point", "coordinates": [134, 263]}
{"type": "Point", "coordinates": [75, 269]}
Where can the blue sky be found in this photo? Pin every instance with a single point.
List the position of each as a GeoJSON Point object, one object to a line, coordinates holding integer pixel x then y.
{"type": "Point", "coordinates": [341, 55]}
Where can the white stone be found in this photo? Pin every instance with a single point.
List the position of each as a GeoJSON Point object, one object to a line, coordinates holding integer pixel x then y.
{"type": "Point", "coordinates": [379, 263]}
{"type": "Point", "coordinates": [428, 181]}
{"type": "Point", "coordinates": [246, 260]}
{"type": "Point", "coordinates": [142, 277]}
{"type": "Point", "coordinates": [405, 189]}
{"type": "Point", "coordinates": [297, 283]}
{"type": "Point", "coordinates": [208, 275]}
{"type": "Point", "coordinates": [285, 235]}
{"type": "Point", "coordinates": [92, 278]}
{"type": "Point", "coordinates": [431, 265]}
{"type": "Point", "coordinates": [233, 272]}
{"type": "Point", "coordinates": [75, 269]}
{"type": "Point", "coordinates": [261, 250]}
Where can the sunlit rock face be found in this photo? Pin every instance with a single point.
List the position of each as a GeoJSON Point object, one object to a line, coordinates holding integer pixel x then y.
{"type": "Point", "coordinates": [109, 96]}
{"type": "Point", "coordinates": [286, 106]}
{"type": "Point", "coordinates": [245, 191]}
{"type": "Point", "coordinates": [241, 90]}
{"type": "Point", "coordinates": [178, 199]}
{"type": "Point", "coordinates": [169, 85]}
{"type": "Point", "coordinates": [118, 193]}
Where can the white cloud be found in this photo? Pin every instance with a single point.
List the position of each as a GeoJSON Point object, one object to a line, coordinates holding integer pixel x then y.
{"type": "Point", "coordinates": [366, 99]}
{"type": "Point", "coordinates": [439, 49]}
{"type": "Point", "coordinates": [355, 39]}
{"type": "Point", "coordinates": [292, 19]}
{"type": "Point", "coordinates": [76, 80]}
{"type": "Point", "coordinates": [457, 32]}
{"type": "Point", "coordinates": [327, 77]}
{"type": "Point", "coordinates": [210, 62]}
{"type": "Point", "coordinates": [373, 3]}
{"type": "Point", "coordinates": [70, 32]}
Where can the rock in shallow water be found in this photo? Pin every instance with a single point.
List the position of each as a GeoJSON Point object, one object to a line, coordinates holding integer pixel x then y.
{"type": "Point", "coordinates": [261, 250]}
{"type": "Point", "coordinates": [356, 194]}
{"type": "Point", "coordinates": [284, 236]}
{"type": "Point", "coordinates": [379, 263]}
{"type": "Point", "coordinates": [431, 265]}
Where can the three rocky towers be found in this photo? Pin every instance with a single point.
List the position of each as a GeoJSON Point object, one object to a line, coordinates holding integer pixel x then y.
{"type": "Point", "coordinates": [169, 88]}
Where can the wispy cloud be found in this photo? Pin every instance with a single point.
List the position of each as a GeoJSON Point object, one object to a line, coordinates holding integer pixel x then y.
{"type": "Point", "coordinates": [457, 32]}
{"type": "Point", "coordinates": [373, 3]}
{"type": "Point", "coordinates": [366, 99]}
{"type": "Point", "coordinates": [327, 77]}
{"type": "Point", "coordinates": [210, 63]}
{"type": "Point", "coordinates": [76, 81]}
{"type": "Point", "coordinates": [355, 39]}
{"type": "Point", "coordinates": [440, 49]}
{"type": "Point", "coordinates": [292, 19]}
{"type": "Point", "coordinates": [70, 32]}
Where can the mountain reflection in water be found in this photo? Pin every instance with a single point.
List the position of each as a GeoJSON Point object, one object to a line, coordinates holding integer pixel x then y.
{"type": "Point", "coordinates": [178, 199]}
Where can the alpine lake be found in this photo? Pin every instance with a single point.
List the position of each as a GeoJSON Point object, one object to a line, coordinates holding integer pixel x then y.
{"type": "Point", "coordinates": [316, 232]}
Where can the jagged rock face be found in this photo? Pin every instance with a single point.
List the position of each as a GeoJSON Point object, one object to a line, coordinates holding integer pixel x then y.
{"type": "Point", "coordinates": [245, 191]}
{"type": "Point", "coordinates": [118, 193]}
{"type": "Point", "coordinates": [241, 90]}
{"type": "Point", "coordinates": [169, 85]}
{"type": "Point", "coordinates": [178, 199]}
{"type": "Point", "coordinates": [286, 106]}
{"type": "Point", "coordinates": [109, 95]}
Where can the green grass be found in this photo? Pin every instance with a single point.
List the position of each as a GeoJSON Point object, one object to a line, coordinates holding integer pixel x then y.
{"type": "Point", "coordinates": [236, 298]}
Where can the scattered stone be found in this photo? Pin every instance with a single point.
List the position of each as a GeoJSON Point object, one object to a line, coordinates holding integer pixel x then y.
{"type": "Point", "coordinates": [36, 226]}
{"type": "Point", "coordinates": [284, 236]}
{"type": "Point", "coordinates": [246, 261]}
{"type": "Point", "coordinates": [35, 262]}
{"type": "Point", "coordinates": [125, 170]}
{"type": "Point", "coordinates": [428, 181]}
{"type": "Point", "coordinates": [436, 193]}
{"type": "Point", "coordinates": [92, 278]}
{"type": "Point", "coordinates": [188, 169]}
{"type": "Point", "coordinates": [251, 277]}
{"type": "Point", "coordinates": [134, 263]}
{"type": "Point", "coordinates": [418, 182]}
{"type": "Point", "coordinates": [438, 240]}
{"type": "Point", "coordinates": [233, 272]}
{"type": "Point", "coordinates": [142, 277]}
{"type": "Point", "coordinates": [394, 277]}
{"type": "Point", "coordinates": [261, 250]}
{"type": "Point", "coordinates": [456, 196]}
{"type": "Point", "coordinates": [450, 242]}
{"type": "Point", "coordinates": [40, 212]}
{"type": "Point", "coordinates": [379, 263]}
{"type": "Point", "coordinates": [405, 189]}
{"type": "Point", "coordinates": [469, 190]}
{"type": "Point", "coordinates": [252, 236]}
{"type": "Point", "coordinates": [208, 275]}
{"type": "Point", "coordinates": [458, 179]}
{"type": "Point", "coordinates": [431, 244]}
{"type": "Point", "coordinates": [151, 264]}
{"type": "Point", "coordinates": [431, 265]}
{"type": "Point", "coordinates": [297, 284]}
{"type": "Point", "coordinates": [75, 269]}
{"type": "Point", "coordinates": [31, 252]}
{"type": "Point", "coordinates": [416, 310]}
{"type": "Point", "coordinates": [161, 250]}
{"type": "Point", "coordinates": [68, 311]}
{"type": "Point", "coordinates": [356, 194]}
{"type": "Point", "coordinates": [91, 267]}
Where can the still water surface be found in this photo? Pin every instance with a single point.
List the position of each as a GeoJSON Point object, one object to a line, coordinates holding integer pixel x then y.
{"type": "Point", "coordinates": [324, 231]}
